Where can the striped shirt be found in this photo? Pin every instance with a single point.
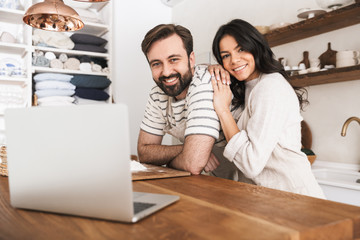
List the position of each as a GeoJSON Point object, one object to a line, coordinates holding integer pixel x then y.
{"type": "Point", "coordinates": [193, 115]}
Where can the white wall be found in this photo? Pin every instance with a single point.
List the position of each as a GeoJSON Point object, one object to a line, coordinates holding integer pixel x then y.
{"type": "Point", "coordinates": [133, 81]}
{"type": "Point", "coordinates": [330, 104]}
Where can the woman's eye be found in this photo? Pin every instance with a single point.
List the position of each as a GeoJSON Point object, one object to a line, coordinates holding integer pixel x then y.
{"type": "Point", "coordinates": [225, 56]}
{"type": "Point", "coordinates": [240, 50]}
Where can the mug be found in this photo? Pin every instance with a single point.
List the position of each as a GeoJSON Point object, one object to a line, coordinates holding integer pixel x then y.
{"type": "Point", "coordinates": [347, 62]}
{"type": "Point", "coordinates": [348, 54]}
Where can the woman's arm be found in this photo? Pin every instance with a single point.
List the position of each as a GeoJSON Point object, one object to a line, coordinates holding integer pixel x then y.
{"type": "Point", "coordinates": [222, 101]}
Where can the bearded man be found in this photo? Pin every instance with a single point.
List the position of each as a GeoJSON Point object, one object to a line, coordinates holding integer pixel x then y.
{"type": "Point", "coordinates": [181, 104]}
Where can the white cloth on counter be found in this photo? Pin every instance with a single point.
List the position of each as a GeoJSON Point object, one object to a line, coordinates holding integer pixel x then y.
{"type": "Point", "coordinates": [54, 39]}
{"type": "Point", "coordinates": [54, 85]}
{"type": "Point", "coordinates": [54, 92]}
{"type": "Point", "coordinates": [85, 67]}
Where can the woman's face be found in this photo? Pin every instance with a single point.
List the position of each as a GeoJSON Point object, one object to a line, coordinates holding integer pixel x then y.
{"type": "Point", "coordinates": [238, 63]}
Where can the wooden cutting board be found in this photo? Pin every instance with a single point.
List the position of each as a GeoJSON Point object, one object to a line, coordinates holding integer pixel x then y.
{"type": "Point", "coordinates": [154, 172]}
{"type": "Point", "coordinates": [306, 136]}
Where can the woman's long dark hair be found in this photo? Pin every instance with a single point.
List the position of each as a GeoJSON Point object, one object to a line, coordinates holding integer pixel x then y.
{"type": "Point", "coordinates": [251, 41]}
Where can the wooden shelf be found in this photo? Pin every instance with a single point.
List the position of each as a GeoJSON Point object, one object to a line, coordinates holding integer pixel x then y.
{"type": "Point", "coordinates": [329, 76]}
{"type": "Point", "coordinates": [340, 18]}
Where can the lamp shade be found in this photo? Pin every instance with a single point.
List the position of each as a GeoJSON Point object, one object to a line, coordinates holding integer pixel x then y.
{"type": "Point", "coordinates": [53, 15]}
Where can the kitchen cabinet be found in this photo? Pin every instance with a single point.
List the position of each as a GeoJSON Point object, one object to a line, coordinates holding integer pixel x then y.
{"type": "Point", "coordinates": [337, 19]}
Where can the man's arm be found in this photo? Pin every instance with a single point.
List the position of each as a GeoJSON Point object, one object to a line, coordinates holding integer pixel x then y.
{"type": "Point", "coordinates": [195, 154]}
{"type": "Point", "coordinates": [192, 156]}
{"type": "Point", "coordinates": [151, 151]}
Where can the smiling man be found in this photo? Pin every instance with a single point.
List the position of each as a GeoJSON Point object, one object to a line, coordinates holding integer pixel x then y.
{"type": "Point", "coordinates": [180, 105]}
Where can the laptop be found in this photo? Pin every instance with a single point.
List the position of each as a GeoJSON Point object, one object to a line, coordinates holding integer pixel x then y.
{"type": "Point", "coordinates": [75, 160]}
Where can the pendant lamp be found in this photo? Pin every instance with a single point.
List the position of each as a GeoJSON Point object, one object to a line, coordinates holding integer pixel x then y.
{"type": "Point", "coordinates": [53, 15]}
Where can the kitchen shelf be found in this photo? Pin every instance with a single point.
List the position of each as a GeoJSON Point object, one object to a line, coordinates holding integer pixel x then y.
{"type": "Point", "coordinates": [66, 71]}
{"type": "Point", "coordinates": [329, 76]}
{"type": "Point", "coordinates": [11, 15]}
{"type": "Point", "coordinates": [97, 29]}
{"type": "Point", "coordinates": [71, 52]}
{"type": "Point", "coordinates": [340, 18]}
{"type": "Point", "coordinates": [13, 79]}
{"type": "Point", "coordinates": [13, 48]}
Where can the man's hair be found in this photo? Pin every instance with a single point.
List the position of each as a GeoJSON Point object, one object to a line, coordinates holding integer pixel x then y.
{"type": "Point", "coordinates": [163, 31]}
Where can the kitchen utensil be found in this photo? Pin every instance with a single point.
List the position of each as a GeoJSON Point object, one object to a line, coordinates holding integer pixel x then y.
{"type": "Point", "coordinates": [306, 136]}
{"type": "Point", "coordinates": [306, 13]}
{"type": "Point", "coordinates": [332, 4]}
{"type": "Point", "coordinates": [328, 57]}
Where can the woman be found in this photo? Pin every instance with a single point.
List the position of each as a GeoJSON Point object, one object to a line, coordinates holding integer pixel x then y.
{"type": "Point", "coordinates": [265, 142]}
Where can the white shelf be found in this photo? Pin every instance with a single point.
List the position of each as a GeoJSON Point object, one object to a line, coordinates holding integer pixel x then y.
{"type": "Point", "coordinates": [97, 29]}
{"type": "Point", "coordinates": [13, 48]}
{"type": "Point", "coordinates": [13, 79]}
{"type": "Point", "coordinates": [11, 15]}
{"type": "Point", "coordinates": [66, 71]}
{"type": "Point", "coordinates": [71, 52]}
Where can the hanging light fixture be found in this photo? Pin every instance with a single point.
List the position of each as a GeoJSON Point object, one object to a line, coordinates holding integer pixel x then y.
{"type": "Point", "coordinates": [53, 15]}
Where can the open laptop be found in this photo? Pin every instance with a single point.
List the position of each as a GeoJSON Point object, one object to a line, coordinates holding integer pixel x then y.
{"type": "Point", "coordinates": [75, 160]}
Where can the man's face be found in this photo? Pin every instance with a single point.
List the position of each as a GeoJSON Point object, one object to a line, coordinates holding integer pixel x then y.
{"type": "Point", "coordinates": [171, 68]}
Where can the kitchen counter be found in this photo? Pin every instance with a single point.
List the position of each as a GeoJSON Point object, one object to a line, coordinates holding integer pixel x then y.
{"type": "Point", "coordinates": [209, 208]}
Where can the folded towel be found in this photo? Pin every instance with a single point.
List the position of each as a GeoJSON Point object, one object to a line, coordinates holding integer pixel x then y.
{"type": "Point", "coordinates": [96, 67]}
{"type": "Point", "coordinates": [72, 64]}
{"type": "Point", "coordinates": [54, 92]}
{"type": "Point", "coordinates": [56, 99]}
{"type": "Point", "coordinates": [50, 55]}
{"type": "Point", "coordinates": [90, 93]}
{"type": "Point", "coordinates": [54, 85]}
{"type": "Point", "coordinates": [63, 57]}
{"type": "Point", "coordinates": [40, 61]}
{"type": "Point", "coordinates": [90, 81]}
{"type": "Point", "coordinates": [89, 47]}
{"type": "Point", "coordinates": [54, 39]}
{"type": "Point", "coordinates": [56, 63]}
{"type": "Point", "coordinates": [83, 101]}
{"type": "Point", "coordinates": [82, 38]}
{"type": "Point", "coordinates": [52, 76]}
{"type": "Point", "coordinates": [85, 67]}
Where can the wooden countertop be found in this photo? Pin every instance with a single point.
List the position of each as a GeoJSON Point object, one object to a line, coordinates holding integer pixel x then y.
{"type": "Point", "coordinates": [209, 208]}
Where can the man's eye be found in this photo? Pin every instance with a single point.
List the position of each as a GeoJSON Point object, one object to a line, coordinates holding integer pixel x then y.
{"type": "Point", "coordinates": [155, 64]}
{"type": "Point", "coordinates": [174, 60]}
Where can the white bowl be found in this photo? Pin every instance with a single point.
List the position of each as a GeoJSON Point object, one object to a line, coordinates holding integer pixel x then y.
{"type": "Point", "coordinates": [333, 4]}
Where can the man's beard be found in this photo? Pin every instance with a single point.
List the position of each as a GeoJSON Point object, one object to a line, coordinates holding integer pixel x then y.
{"type": "Point", "coordinates": [179, 87]}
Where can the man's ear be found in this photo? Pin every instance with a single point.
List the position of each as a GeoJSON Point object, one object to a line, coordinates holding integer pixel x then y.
{"type": "Point", "coordinates": [192, 59]}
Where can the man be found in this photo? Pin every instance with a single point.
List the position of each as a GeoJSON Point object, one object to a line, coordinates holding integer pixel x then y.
{"type": "Point", "coordinates": [181, 104]}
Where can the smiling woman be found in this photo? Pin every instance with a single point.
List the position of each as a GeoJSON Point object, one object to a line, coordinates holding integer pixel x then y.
{"type": "Point", "coordinates": [262, 127]}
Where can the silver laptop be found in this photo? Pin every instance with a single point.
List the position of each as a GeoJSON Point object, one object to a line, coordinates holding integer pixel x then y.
{"type": "Point", "coordinates": [75, 160]}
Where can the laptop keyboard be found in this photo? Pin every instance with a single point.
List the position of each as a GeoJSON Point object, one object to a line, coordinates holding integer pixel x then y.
{"type": "Point", "coordinates": [140, 206]}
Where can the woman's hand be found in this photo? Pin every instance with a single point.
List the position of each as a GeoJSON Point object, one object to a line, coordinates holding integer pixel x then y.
{"type": "Point", "coordinates": [219, 73]}
{"type": "Point", "coordinates": [222, 96]}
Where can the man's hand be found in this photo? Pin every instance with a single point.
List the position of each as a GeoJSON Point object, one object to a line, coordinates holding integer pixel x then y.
{"type": "Point", "coordinates": [212, 164]}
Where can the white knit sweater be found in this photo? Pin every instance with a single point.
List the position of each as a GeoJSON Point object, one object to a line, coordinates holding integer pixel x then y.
{"type": "Point", "coordinates": [267, 149]}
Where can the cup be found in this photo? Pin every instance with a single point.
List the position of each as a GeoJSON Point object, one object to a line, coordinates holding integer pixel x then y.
{"type": "Point", "coordinates": [314, 62]}
{"type": "Point", "coordinates": [347, 54]}
{"type": "Point", "coordinates": [346, 62]}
